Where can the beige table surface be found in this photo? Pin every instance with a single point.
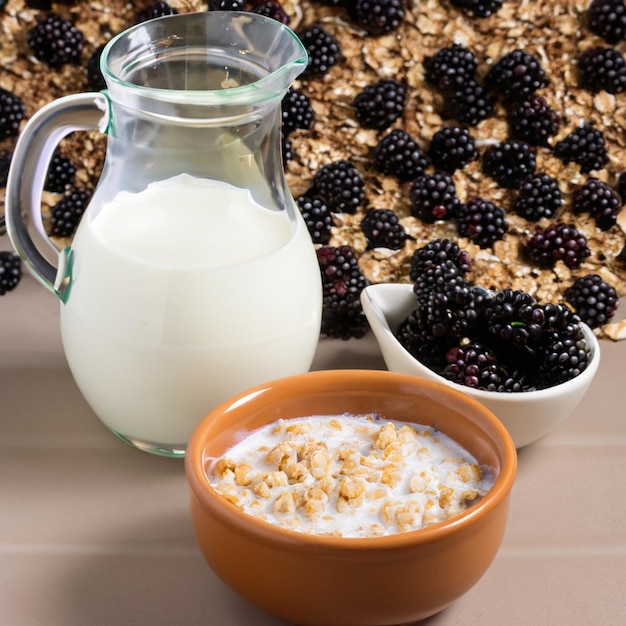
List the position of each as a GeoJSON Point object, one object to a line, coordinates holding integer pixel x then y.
{"type": "Point", "coordinates": [94, 533]}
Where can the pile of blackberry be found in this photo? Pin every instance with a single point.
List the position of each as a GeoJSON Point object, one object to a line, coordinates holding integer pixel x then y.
{"type": "Point", "coordinates": [503, 341]}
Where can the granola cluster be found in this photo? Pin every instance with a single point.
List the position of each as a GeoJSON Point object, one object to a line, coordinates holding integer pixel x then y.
{"type": "Point", "coordinates": [556, 32]}
{"type": "Point", "coordinates": [349, 476]}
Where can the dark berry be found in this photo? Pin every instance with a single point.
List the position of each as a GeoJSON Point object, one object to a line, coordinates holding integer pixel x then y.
{"type": "Point", "coordinates": [607, 19]}
{"type": "Point", "coordinates": [342, 283]}
{"type": "Point", "coordinates": [450, 68]}
{"type": "Point", "coordinates": [599, 200]}
{"type": "Point", "coordinates": [473, 365]}
{"type": "Point", "coordinates": [445, 277]}
{"type": "Point", "coordinates": [469, 104]}
{"type": "Point", "coordinates": [538, 196]}
{"type": "Point", "coordinates": [55, 41]}
{"type": "Point", "coordinates": [416, 337]}
{"type": "Point", "coordinates": [452, 148]}
{"type": "Point", "coordinates": [5, 163]}
{"type": "Point", "coordinates": [585, 146]}
{"type": "Point", "coordinates": [323, 49]}
{"type": "Point", "coordinates": [297, 112]}
{"type": "Point", "coordinates": [317, 216]}
{"type": "Point", "coordinates": [533, 121]}
{"type": "Point", "coordinates": [286, 149]}
{"type": "Point", "coordinates": [377, 17]}
{"type": "Point", "coordinates": [433, 197]}
{"type": "Point", "coordinates": [593, 299]}
{"type": "Point", "coordinates": [271, 8]}
{"type": "Point", "coordinates": [10, 271]}
{"type": "Point", "coordinates": [478, 8]}
{"type": "Point", "coordinates": [66, 213]}
{"type": "Point", "coordinates": [436, 252]}
{"type": "Point", "coordinates": [509, 162]}
{"type": "Point", "coordinates": [157, 9]}
{"type": "Point", "coordinates": [341, 185]}
{"type": "Point", "coordinates": [383, 229]}
{"type": "Point", "coordinates": [602, 69]}
{"type": "Point", "coordinates": [557, 242]}
{"type": "Point", "coordinates": [621, 186]}
{"type": "Point", "coordinates": [563, 356]}
{"type": "Point", "coordinates": [95, 79]}
{"type": "Point", "coordinates": [61, 172]}
{"type": "Point", "coordinates": [398, 154]}
{"type": "Point", "coordinates": [380, 104]}
{"type": "Point", "coordinates": [481, 221]}
{"type": "Point", "coordinates": [516, 75]}
{"type": "Point", "coordinates": [11, 113]}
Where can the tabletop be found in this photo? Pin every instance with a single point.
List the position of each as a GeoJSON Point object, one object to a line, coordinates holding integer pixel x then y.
{"type": "Point", "coordinates": [93, 532]}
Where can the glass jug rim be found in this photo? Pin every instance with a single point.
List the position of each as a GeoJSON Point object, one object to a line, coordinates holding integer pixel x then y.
{"type": "Point", "coordinates": [252, 91]}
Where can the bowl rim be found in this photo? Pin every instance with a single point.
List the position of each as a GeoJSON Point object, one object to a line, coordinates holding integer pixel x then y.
{"type": "Point", "coordinates": [208, 497]}
{"type": "Point", "coordinates": [372, 308]}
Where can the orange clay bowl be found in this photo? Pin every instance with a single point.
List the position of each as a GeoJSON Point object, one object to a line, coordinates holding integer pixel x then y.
{"type": "Point", "coordinates": [312, 579]}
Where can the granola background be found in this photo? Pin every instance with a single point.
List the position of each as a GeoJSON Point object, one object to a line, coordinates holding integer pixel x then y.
{"type": "Point", "coordinates": [553, 30]}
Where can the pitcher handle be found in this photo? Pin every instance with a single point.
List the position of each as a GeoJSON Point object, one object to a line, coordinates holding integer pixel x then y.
{"type": "Point", "coordinates": [29, 165]}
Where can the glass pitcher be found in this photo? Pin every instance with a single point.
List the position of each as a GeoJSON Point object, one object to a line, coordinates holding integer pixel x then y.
{"type": "Point", "coordinates": [192, 275]}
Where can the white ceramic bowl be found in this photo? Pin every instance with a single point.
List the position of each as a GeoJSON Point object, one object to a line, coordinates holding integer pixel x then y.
{"type": "Point", "coordinates": [528, 415]}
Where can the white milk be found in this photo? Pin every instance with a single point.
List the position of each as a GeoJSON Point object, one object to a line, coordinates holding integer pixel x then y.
{"type": "Point", "coordinates": [183, 295]}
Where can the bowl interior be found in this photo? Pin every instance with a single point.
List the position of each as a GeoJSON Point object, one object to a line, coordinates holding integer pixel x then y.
{"type": "Point", "coordinates": [391, 395]}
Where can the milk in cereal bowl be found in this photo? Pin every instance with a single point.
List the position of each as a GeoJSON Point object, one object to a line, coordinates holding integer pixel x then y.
{"type": "Point", "coordinates": [350, 496]}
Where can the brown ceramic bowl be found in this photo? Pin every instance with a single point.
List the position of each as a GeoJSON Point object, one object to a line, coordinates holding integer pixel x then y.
{"type": "Point", "coordinates": [312, 579]}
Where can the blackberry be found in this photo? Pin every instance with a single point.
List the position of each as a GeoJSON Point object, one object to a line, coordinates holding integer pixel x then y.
{"type": "Point", "coordinates": [481, 221]}
{"type": "Point", "coordinates": [472, 365]}
{"type": "Point", "coordinates": [533, 121]}
{"type": "Point", "coordinates": [297, 112]}
{"type": "Point", "coordinates": [382, 229]}
{"type": "Point", "coordinates": [513, 320]}
{"type": "Point", "coordinates": [342, 283]}
{"type": "Point", "coordinates": [607, 19]}
{"type": "Point", "coordinates": [271, 8]}
{"type": "Point", "coordinates": [66, 213]}
{"type": "Point", "coordinates": [452, 148]}
{"type": "Point", "coordinates": [93, 74]}
{"type": "Point", "coordinates": [516, 75]}
{"type": "Point", "coordinates": [380, 104]}
{"type": "Point", "coordinates": [538, 196]}
{"type": "Point", "coordinates": [509, 162]}
{"type": "Point", "coordinates": [55, 41]}
{"type": "Point", "coordinates": [157, 9]}
{"type": "Point", "coordinates": [478, 8]}
{"type": "Point", "coordinates": [12, 111]}
{"type": "Point", "coordinates": [398, 154]}
{"type": "Point", "coordinates": [621, 186]}
{"type": "Point", "coordinates": [557, 242]}
{"type": "Point", "coordinates": [563, 356]}
{"type": "Point", "coordinates": [226, 5]}
{"type": "Point", "coordinates": [593, 299]}
{"type": "Point", "coordinates": [286, 149]}
{"type": "Point", "coordinates": [341, 185]}
{"type": "Point", "coordinates": [317, 216]}
{"type": "Point", "coordinates": [5, 163]}
{"type": "Point", "coordinates": [438, 251]}
{"type": "Point", "coordinates": [585, 146]}
{"type": "Point", "coordinates": [415, 335]}
{"type": "Point", "coordinates": [10, 271]}
{"type": "Point", "coordinates": [470, 104]}
{"type": "Point", "coordinates": [445, 277]}
{"type": "Point", "coordinates": [602, 68]}
{"type": "Point", "coordinates": [61, 173]}
{"type": "Point", "coordinates": [377, 17]}
{"type": "Point", "coordinates": [323, 49]}
{"type": "Point", "coordinates": [599, 200]}
{"type": "Point", "coordinates": [433, 197]}
{"type": "Point", "coordinates": [450, 68]}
